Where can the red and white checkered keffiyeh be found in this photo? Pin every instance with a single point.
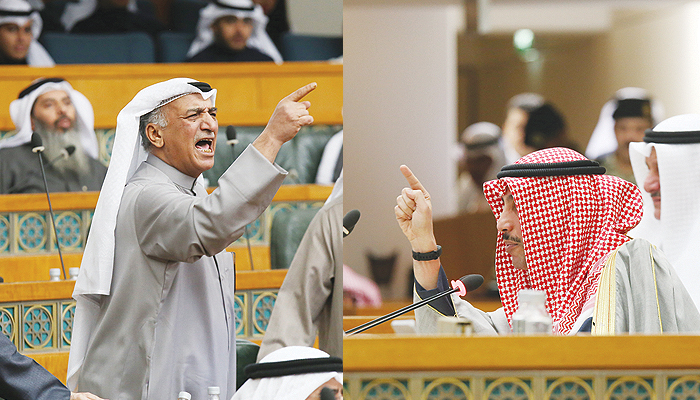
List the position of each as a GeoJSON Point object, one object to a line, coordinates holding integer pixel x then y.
{"type": "Point", "coordinates": [568, 223]}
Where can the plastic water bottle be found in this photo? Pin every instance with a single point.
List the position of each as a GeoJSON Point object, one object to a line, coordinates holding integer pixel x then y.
{"type": "Point", "coordinates": [532, 316]}
{"type": "Point", "coordinates": [214, 392]}
{"type": "Point", "coordinates": [184, 396]}
{"type": "Point", "coordinates": [54, 274]}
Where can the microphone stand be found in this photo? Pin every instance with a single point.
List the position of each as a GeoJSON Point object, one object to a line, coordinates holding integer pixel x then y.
{"type": "Point", "coordinates": [39, 150]}
{"type": "Point", "coordinates": [410, 307]}
{"type": "Point", "coordinates": [231, 141]}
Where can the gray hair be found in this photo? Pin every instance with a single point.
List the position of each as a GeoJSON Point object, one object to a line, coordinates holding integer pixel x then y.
{"type": "Point", "coordinates": [157, 116]}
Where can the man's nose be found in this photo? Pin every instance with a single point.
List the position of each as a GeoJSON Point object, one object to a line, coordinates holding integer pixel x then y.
{"type": "Point", "coordinates": [209, 122]}
{"type": "Point", "coordinates": [503, 223]}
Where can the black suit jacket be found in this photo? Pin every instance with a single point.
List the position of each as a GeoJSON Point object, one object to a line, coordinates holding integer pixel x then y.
{"type": "Point", "coordinates": [22, 378]}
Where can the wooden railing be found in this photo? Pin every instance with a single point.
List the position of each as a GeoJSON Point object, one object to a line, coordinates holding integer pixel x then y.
{"type": "Point", "coordinates": [247, 92]}
{"type": "Point", "coordinates": [52, 295]}
{"type": "Point", "coordinates": [34, 266]}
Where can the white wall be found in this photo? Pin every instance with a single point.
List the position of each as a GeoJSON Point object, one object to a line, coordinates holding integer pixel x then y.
{"type": "Point", "coordinates": [660, 52]}
{"type": "Point", "coordinates": [314, 17]}
{"type": "Point", "coordinates": [400, 107]}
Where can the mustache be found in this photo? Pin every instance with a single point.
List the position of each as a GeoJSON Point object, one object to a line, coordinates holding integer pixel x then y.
{"type": "Point", "coordinates": [512, 238]}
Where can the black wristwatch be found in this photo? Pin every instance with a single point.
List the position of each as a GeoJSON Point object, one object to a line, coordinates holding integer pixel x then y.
{"type": "Point", "coordinates": [429, 256]}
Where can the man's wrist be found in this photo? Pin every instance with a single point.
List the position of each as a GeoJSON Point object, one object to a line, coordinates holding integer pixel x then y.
{"type": "Point", "coordinates": [429, 255]}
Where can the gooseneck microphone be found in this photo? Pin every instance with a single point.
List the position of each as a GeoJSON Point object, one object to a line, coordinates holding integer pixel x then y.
{"type": "Point", "coordinates": [349, 221]}
{"type": "Point", "coordinates": [464, 285]}
{"type": "Point", "coordinates": [231, 136]}
{"type": "Point", "coordinates": [38, 148]}
{"type": "Point", "coordinates": [65, 153]}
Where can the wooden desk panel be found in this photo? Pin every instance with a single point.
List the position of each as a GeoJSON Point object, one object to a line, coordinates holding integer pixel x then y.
{"type": "Point", "coordinates": [247, 92]}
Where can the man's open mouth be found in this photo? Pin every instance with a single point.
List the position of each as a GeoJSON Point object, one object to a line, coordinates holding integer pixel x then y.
{"type": "Point", "coordinates": [205, 145]}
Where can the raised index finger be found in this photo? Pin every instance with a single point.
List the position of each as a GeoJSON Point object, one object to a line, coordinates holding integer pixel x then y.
{"type": "Point", "coordinates": [412, 180]}
{"type": "Point", "coordinates": [301, 92]}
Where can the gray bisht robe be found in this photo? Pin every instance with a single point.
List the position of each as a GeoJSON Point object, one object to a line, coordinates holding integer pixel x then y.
{"type": "Point", "coordinates": [168, 324]}
{"type": "Point", "coordinates": [645, 290]}
{"type": "Point", "coordinates": [311, 297]}
{"type": "Point", "coordinates": [20, 172]}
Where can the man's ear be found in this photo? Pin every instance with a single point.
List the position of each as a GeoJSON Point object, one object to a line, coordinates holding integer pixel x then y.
{"type": "Point", "coordinates": [154, 135]}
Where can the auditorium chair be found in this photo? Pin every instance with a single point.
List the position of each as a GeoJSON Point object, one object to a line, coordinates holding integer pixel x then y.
{"type": "Point", "coordinates": [246, 354]}
{"type": "Point", "coordinates": [288, 228]}
{"type": "Point", "coordinates": [124, 48]}
{"type": "Point", "coordinates": [297, 47]}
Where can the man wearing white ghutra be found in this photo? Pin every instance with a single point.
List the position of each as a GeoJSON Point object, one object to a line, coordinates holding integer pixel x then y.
{"type": "Point", "coordinates": [155, 294]}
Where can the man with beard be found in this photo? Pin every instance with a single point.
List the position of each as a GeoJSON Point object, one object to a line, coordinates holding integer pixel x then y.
{"type": "Point", "coordinates": [64, 120]}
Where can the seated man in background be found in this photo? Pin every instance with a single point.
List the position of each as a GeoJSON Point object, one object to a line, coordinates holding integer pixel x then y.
{"type": "Point", "coordinates": [108, 16]}
{"type": "Point", "coordinates": [232, 31]}
{"type": "Point", "coordinates": [623, 119]}
{"type": "Point", "coordinates": [64, 119]}
{"type": "Point", "coordinates": [667, 167]}
{"type": "Point", "coordinates": [20, 26]}
{"type": "Point", "coordinates": [483, 158]}
{"type": "Point", "coordinates": [518, 110]}
{"type": "Point", "coordinates": [631, 117]}
{"type": "Point", "coordinates": [294, 373]}
{"type": "Point", "coordinates": [562, 228]}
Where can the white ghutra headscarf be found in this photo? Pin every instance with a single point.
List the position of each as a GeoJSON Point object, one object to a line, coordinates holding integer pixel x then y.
{"type": "Point", "coordinates": [603, 139]}
{"type": "Point", "coordinates": [96, 269]}
{"type": "Point", "coordinates": [290, 373]}
{"type": "Point", "coordinates": [259, 39]}
{"type": "Point", "coordinates": [20, 12]}
{"type": "Point", "coordinates": [21, 111]}
{"type": "Point", "coordinates": [677, 144]}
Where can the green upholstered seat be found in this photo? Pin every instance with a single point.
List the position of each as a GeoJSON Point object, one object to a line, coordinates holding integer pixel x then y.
{"type": "Point", "coordinates": [288, 227]}
{"type": "Point", "coordinates": [246, 354]}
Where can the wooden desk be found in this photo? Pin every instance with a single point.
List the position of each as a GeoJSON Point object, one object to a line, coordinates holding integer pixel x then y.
{"type": "Point", "coordinates": [522, 367]}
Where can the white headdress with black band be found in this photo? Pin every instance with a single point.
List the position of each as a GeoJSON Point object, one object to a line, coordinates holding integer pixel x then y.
{"type": "Point", "coordinates": [97, 265]}
{"type": "Point", "coordinates": [20, 12]}
{"type": "Point", "coordinates": [677, 144]}
{"type": "Point", "coordinates": [21, 110]}
{"type": "Point", "coordinates": [259, 39]}
{"type": "Point", "coordinates": [291, 373]}
{"type": "Point", "coordinates": [603, 139]}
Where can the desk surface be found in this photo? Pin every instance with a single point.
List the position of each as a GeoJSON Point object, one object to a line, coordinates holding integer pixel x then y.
{"type": "Point", "coordinates": [364, 353]}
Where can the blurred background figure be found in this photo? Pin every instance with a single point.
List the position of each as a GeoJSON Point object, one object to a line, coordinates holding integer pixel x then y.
{"type": "Point", "coordinates": [483, 157]}
{"type": "Point", "coordinates": [546, 128]}
{"type": "Point", "coordinates": [518, 110]}
{"type": "Point", "coordinates": [359, 291]}
{"type": "Point", "coordinates": [623, 120]}
{"type": "Point", "coordinates": [278, 23]}
{"type": "Point", "coordinates": [232, 30]}
{"type": "Point", "coordinates": [108, 16]}
{"type": "Point", "coordinates": [20, 26]}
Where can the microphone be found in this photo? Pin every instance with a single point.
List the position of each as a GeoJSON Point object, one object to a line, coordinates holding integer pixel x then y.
{"type": "Point", "coordinates": [38, 148]}
{"type": "Point", "coordinates": [231, 136]}
{"type": "Point", "coordinates": [65, 153]}
{"type": "Point", "coordinates": [37, 144]}
{"type": "Point", "coordinates": [464, 285]}
{"type": "Point", "coordinates": [349, 221]}
{"type": "Point", "coordinates": [327, 394]}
